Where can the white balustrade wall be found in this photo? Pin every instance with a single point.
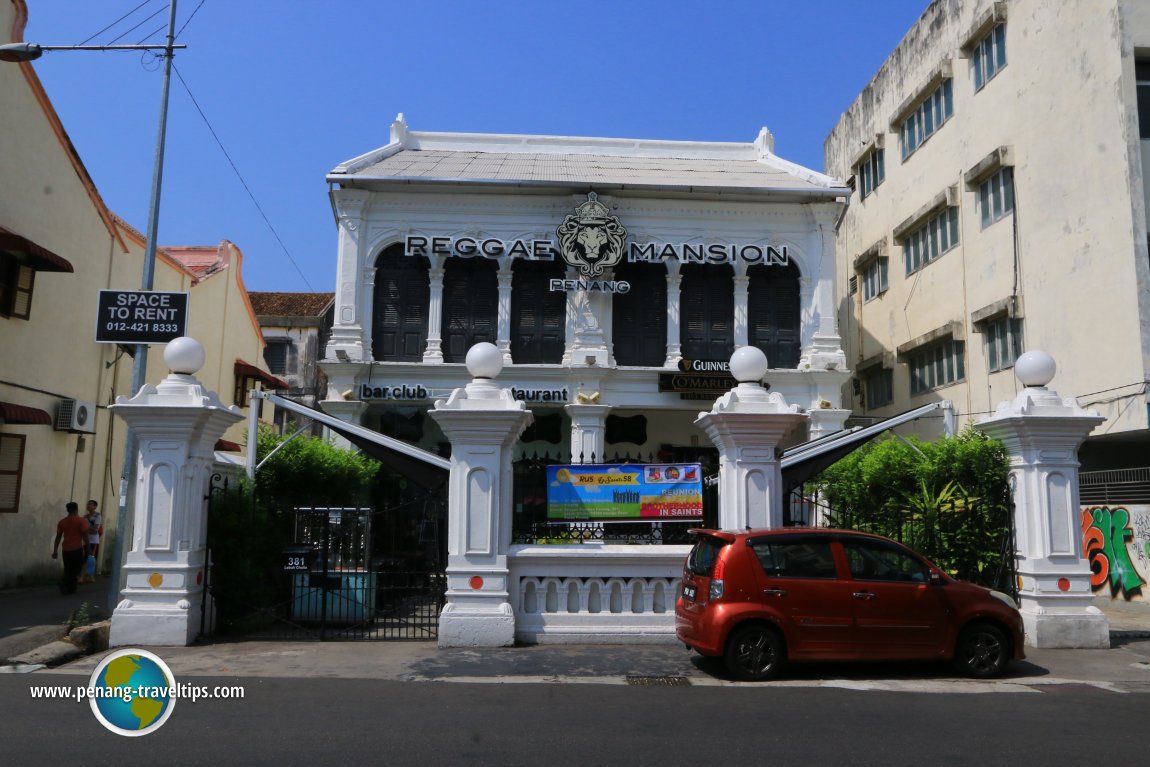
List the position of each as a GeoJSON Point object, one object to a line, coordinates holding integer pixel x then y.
{"type": "Point", "coordinates": [595, 593]}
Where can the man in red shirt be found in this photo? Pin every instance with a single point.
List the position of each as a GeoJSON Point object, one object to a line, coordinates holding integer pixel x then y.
{"type": "Point", "coordinates": [72, 530]}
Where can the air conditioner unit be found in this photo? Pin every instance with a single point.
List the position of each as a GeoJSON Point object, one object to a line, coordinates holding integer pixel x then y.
{"type": "Point", "coordinates": [76, 415]}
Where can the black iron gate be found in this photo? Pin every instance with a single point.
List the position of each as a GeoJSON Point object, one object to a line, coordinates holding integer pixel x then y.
{"type": "Point", "coordinates": [343, 574]}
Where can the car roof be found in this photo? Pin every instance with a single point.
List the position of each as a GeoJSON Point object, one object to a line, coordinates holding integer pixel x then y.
{"type": "Point", "coordinates": [732, 535]}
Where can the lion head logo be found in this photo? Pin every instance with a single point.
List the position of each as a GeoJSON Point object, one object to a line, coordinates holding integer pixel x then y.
{"type": "Point", "coordinates": [591, 239]}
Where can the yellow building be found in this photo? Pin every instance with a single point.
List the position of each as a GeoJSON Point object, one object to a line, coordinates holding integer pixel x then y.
{"type": "Point", "coordinates": [59, 246]}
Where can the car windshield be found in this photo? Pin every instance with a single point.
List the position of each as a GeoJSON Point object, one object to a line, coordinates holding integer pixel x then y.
{"type": "Point", "coordinates": [701, 560]}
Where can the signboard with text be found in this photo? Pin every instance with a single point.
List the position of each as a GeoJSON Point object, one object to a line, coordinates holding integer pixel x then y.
{"type": "Point", "coordinates": [671, 492]}
{"type": "Point", "coordinates": [141, 317]}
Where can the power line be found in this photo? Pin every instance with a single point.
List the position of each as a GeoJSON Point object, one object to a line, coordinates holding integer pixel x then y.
{"type": "Point", "coordinates": [189, 20]}
{"type": "Point", "coordinates": [240, 176]}
{"type": "Point", "coordinates": [117, 21]}
{"type": "Point", "coordinates": [133, 29]}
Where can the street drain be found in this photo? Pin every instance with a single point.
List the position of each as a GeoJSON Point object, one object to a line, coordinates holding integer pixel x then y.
{"type": "Point", "coordinates": [659, 681]}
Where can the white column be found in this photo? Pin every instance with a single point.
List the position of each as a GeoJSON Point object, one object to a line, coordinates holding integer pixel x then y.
{"type": "Point", "coordinates": [826, 420]}
{"type": "Point", "coordinates": [746, 424]}
{"type": "Point", "coordinates": [177, 423]}
{"type": "Point", "coordinates": [822, 345]}
{"type": "Point", "coordinates": [674, 316]}
{"type": "Point", "coordinates": [588, 431]}
{"type": "Point", "coordinates": [1042, 433]}
{"type": "Point", "coordinates": [483, 422]}
{"type": "Point", "coordinates": [742, 289]}
{"type": "Point", "coordinates": [367, 311]}
{"type": "Point", "coordinates": [347, 330]}
{"type": "Point", "coordinates": [503, 320]}
{"type": "Point", "coordinates": [433, 352]}
{"type": "Point", "coordinates": [347, 410]}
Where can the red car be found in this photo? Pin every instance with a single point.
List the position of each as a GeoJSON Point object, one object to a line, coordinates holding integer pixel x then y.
{"type": "Point", "coordinates": [761, 598]}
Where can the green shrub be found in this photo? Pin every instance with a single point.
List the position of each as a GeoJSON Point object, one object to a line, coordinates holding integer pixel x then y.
{"type": "Point", "coordinates": [947, 499]}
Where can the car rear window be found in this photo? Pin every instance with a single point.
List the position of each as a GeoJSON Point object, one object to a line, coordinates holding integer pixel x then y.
{"type": "Point", "coordinates": [795, 558]}
{"type": "Point", "coordinates": [701, 560]}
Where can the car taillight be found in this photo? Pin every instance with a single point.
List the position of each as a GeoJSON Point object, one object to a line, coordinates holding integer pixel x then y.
{"type": "Point", "coordinates": [716, 591]}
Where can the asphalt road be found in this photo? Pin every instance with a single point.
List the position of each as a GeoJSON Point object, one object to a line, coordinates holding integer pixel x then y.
{"type": "Point", "coordinates": [351, 721]}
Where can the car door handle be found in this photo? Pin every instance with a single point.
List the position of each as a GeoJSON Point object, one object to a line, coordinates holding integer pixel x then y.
{"type": "Point", "coordinates": [775, 592]}
{"type": "Point", "coordinates": [863, 595]}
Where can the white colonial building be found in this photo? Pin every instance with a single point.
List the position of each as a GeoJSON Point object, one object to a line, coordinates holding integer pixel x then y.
{"type": "Point", "coordinates": [616, 277]}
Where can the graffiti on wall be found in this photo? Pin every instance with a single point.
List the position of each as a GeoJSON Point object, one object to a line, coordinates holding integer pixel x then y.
{"type": "Point", "coordinates": [1116, 542]}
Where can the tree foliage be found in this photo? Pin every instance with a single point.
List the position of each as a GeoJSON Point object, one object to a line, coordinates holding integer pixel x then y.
{"type": "Point", "coordinates": [947, 499]}
{"type": "Point", "coordinates": [249, 523]}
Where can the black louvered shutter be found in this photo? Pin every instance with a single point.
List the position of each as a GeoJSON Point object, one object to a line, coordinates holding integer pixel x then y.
{"type": "Point", "coordinates": [708, 311]}
{"type": "Point", "coordinates": [639, 316]}
{"type": "Point", "coordinates": [402, 288]}
{"type": "Point", "coordinates": [774, 313]}
{"type": "Point", "coordinates": [470, 305]}
{"type": "Point", "coordinates": [538, 314]}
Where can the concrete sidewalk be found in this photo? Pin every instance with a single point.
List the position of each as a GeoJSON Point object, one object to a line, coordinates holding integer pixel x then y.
{"type": "Point", "coordinates": [1123, 667]}
{"type": "Point", "coordinates": [33, 616]}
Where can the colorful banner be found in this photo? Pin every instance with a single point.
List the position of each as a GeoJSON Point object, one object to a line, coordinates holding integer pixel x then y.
{"type": "Point", "coordinates": [625, 492]}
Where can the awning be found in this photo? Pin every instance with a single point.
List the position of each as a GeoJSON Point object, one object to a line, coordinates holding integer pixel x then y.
{"type": "Point", "coordinates": [227, 446]}
{"type": "Point", "coordinates": [248, 370]}
{"type": "Point", "coordinates": [804, 461]}
{"type": "Point", "coordinates": [40, 259]}
{"type": "Point", "coordinates": [425, 469]}
{"type": "Point", "coordinates": [21, 414]}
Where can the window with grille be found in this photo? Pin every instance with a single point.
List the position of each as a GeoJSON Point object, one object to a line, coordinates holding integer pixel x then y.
{"type": "Point", "coordinates": [708, 311]}
{"type": "Point", "coordinates": [11, 470]}
{"type": "Point", "coordinates": [996, 196]}
{"type": "Point", "coordinates": [937, 235]}
{"type": "Point", "coordinates": [399, 321]}
{"type": "Point", "coordinates": [878, 385]}
{"type": "Point", "coordinates": [538, 314]}
{"type": "Point", "coordinates": [470, 305]}
{"type": "Point", "coordinates": [875, 279]}
{"type": "Point", "coordinates": [989, 56]}
{"type": "Point", "coordinates": [774, 313]}
{"type": "Point", "coordinates": [16, 283]}
{"type": "Point", "coordinates": [1003, 338]}
{"type": "Point", "coordinates": [927, 118]}
{"type": "Point", "coordinates": [871, 172]}
{"type": "Point", "coordinates": [639, 316]}
{"type": "Point", "coordinates": [937, 365]}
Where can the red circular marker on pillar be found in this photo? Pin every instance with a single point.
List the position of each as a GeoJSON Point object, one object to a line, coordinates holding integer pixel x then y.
{"type": "Point", "coordinates": [1064, 584]}
{"type": "Point", "coordinates": [476, 582]}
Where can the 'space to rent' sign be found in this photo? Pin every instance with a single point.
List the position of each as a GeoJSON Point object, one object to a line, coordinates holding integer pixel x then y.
{"type": "Point", "coordinates": [141, 317]}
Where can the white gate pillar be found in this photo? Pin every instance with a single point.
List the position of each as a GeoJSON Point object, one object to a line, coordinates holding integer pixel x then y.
{"type": "Point", "coordinates": [1042, 433]}
{"type": "Point", "coordinates": [177, 424]}
{"type": "Point", "coordinates": [483, 422]}
{"type": "Point", "coordinates": [746, 425]}
{"type": "Point", "coordinates": [588, 432]}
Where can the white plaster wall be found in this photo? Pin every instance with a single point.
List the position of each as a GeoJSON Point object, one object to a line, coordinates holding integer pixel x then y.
{"type": "Point", "coordinates": [1063, 103]}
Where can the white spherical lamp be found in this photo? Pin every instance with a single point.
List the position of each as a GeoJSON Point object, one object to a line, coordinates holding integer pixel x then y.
{"type": "Point", "coordinates": [1035, 368]}
{"type": "Point", "coordinates": [749, 364]}
{"type": "Point", "coordinates": [484, 360]}
{"type": "Point", "coordinates": [184, 355]}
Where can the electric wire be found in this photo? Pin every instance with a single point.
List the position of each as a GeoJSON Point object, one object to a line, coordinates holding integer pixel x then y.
{"type": "Point", "coordinates": [240, 176]}
{"type": "Point", "coordinates": [133, 29]}
{"type": "Point", "coordinates": [114, 23]}
{"type": "Point", "coordinates": [189, 19]}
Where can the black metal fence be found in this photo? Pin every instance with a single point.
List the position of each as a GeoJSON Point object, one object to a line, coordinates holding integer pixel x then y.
{"type": "Point", "coordinates": [970, 538]}
{"type": "Point", "coordinates": [327, 573]}
{"type": "Point", "coordinates": [530, 523]}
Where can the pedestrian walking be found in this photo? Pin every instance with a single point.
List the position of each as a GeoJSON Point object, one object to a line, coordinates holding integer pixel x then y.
{"type": "Point", "coordinates": [95, 531]}
{"type": "Point", "coordinates": [72, 539]}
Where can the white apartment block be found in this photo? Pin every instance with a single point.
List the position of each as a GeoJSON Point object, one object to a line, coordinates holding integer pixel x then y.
{"type": "Point", "coordinates": [998, 164]}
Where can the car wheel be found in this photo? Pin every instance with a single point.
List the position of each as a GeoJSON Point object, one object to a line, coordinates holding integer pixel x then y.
{"type": "Point", "coordinates": [755, 653]}
{"type": "Point", "coordinates": [982, 652]}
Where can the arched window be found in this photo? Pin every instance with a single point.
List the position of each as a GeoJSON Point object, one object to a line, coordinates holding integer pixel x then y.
{"type": "Point", "coordinates": [538, 314]}
{"type": "Point", "coordinates": [708, 311]}
{"type": "Point", "coordinates": [399, 321]}
{"type": "Point", "coordinates": [470, 305]}
{"type": "Point", "coordinates": [639, 316]}
{"type": "Point", "coordinates": [774, 313]}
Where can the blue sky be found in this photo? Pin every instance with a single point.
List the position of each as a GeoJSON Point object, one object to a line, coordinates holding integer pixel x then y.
{"type": "Point", "coordinates": [293, 88]}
